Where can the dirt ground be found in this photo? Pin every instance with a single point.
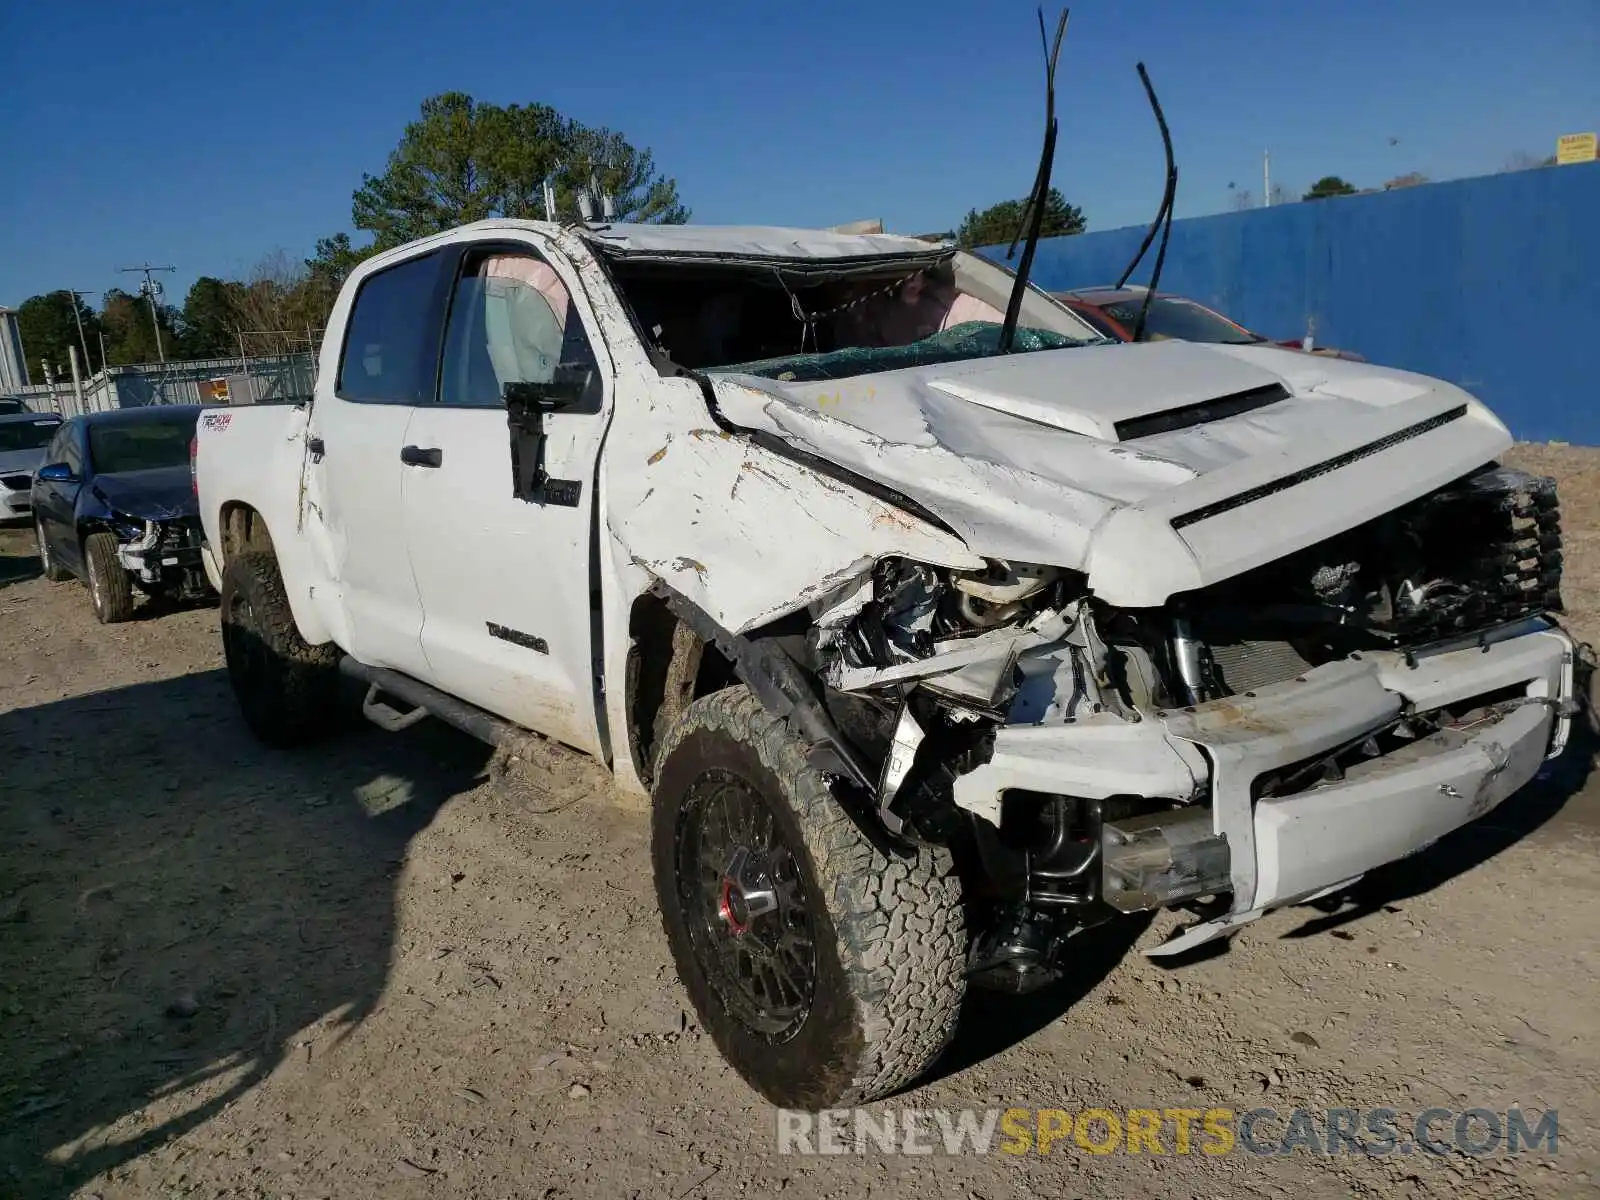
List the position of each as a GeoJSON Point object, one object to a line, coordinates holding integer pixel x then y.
{"type": "Point", "coordinates": [374, 968]}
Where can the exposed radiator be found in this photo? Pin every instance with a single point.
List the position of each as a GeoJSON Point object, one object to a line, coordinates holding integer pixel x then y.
{"type": "Point", "coordinates": [1493, 553]}
{"type": "Point", "coordinates": [1246, 665]}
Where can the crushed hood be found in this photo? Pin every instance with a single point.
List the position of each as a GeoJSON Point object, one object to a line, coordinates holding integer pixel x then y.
{"type": "Point", "coordinates": [1028, 456]}
{"type": "Point", "coordinates": [159, 494]}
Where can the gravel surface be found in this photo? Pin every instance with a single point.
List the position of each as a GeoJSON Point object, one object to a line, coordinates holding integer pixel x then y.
{"type": "Point", "coordinates": [388, 966]}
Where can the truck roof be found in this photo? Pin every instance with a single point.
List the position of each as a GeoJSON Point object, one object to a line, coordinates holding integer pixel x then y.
{"type": "Point", "coordinates": [734, 241]}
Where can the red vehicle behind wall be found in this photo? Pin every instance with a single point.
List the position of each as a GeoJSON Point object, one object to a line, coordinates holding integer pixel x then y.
{"type": "Point", "coordinates": [1115, 313]}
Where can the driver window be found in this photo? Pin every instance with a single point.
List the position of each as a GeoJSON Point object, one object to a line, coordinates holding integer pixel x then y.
{"type": "Point", "coordinates": [511, 321]}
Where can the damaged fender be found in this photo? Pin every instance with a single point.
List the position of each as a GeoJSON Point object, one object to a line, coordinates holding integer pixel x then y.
{"type": "Point", "coordinates": [747, 534]}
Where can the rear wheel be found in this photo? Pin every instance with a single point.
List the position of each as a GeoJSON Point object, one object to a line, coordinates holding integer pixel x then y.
{"type": "Point", "coordinates": [287, 688]}
{"type": "Point", "coordinates": [110, 589]}
{"type": "Point", "coordinates": [53, 571]}
{"type": "Point", "coordinates": [827, 972]}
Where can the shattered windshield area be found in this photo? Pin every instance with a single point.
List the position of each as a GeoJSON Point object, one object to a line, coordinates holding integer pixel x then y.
{"type": "Point", "coordinates": [818, 319]}
{"type": "Point", "coordinates": [971, 339]}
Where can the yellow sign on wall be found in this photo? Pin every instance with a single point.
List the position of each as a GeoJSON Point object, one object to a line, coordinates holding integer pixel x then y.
{"type": "Point", "coordinates": [1576, 147]}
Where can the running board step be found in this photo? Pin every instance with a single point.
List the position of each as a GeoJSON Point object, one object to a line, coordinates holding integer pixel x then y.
{"type": "Point", "coordinates": [386, 717]}
{"type": "Point", "coordinates": [426, 701]}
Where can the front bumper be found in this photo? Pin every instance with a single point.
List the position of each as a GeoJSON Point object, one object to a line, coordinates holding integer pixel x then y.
{"type": "Point", "coordinates": [15, 505]}
{"type": "Point", "coordinates": [162, 552]}
{"type": "Point", "coordinates": [1286, 849]}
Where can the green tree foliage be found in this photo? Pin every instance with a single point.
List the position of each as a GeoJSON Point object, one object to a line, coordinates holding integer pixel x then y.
{"type": "Point", "coordinates": [459, 162]}
{"type": "Point", "coordinates": [208, 324]}
{"type": "Point", "coordinates": [334, 259]}
{"type": "Point", "coordinates": [130, 338]}
{"type": "Point", "coordinates": [463, 161]}
{"type": "Point", "coordinates": [48, 329]}
{"type": "Point", "coordinates": [1329, 185]}
{"type": "Point", "coordinates": [325, 272]}
{"type": "Point", "coordinates": [999, 223]}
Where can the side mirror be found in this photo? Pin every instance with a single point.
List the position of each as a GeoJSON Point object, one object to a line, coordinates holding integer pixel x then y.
{"type": "Point", "coordinates": [527, 405]}
{"type": "Point", "coordinates": [57, 472]}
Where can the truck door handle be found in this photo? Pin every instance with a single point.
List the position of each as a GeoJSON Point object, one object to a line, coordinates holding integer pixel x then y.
{"type": "Point", "coordinates": [420, 456]}
{"type": "Point", "coordinates": [316, 446]}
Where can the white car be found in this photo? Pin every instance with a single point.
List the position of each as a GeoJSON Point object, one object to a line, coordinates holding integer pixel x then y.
{"type": "Point", "coordinates": [928, 655]}
{"type": "Point", "coordinates": [23, 437]}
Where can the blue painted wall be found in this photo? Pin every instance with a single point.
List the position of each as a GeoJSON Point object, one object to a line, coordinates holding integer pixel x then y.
{"type": "Point", "coordinates": [1492, 283]}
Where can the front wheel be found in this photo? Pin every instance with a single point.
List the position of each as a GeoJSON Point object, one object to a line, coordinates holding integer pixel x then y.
{"type": "Point", "coordinates": [827, 972]}
{"type": "Point", "coordinates": [53, 571]}
{"type": "Point", "coordinates": [287, 688]}
{"type": "Point", "coordinates": [110, 589]}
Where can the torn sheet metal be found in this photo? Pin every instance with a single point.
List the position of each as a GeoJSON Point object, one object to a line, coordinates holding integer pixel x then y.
{"type": "Point", "coordinates": [996, 648]}
{"type": "Point", "coordinates": [1097, 756]}
{"type": "Point", "coordinates": [745, 533]}
{"type": "Point", "coordinates": [908, 738]}
{"type": "Point", "coordinates": [984, 685]}
{"type": "Point", "coordinates": [843, 604]}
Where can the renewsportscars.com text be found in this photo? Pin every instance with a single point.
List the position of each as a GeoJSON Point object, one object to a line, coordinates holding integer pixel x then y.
{"type": "Point", "coordinates": [1479, 1132]}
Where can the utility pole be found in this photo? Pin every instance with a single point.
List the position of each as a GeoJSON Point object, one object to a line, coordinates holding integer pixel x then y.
{"type": "Point", "coordinates": [151, 291]}
{"type": "Point", "coordinates": [1266, 178]}
{"type": "Point", "coordinates": [82, 340]}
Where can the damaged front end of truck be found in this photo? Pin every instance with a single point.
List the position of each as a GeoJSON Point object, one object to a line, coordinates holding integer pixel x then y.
{"type": "Point", "coordinates": [1239, 747]}
{"type": "Point", "coordinates": [1124, 627]}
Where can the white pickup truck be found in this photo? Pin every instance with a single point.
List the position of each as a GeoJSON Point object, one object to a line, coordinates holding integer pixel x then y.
{"type": "Point", "coordinates": [927, 650]}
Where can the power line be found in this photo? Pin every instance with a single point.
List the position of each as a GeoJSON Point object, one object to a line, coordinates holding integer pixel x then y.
{"type": "Point", "coordinates": [83, 341]}
{"type": "Point", "coordinates": [151, 291]}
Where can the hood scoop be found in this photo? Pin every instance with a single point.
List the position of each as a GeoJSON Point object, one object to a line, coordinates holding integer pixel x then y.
{"type": "Point", "coordinates": [1168, 420]}
{"type": "Point", "coordinates": [1186, 416]}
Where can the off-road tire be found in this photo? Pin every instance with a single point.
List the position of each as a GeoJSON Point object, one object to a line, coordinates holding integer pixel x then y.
{"type": "Point", "coordinates": [287, 688]}
{"type": "Point", "coordinates": [53, 571]}
{"type": "Point", "coordinates": [1586, 680]}
{"type": "Point", "coordinates": [890, 939]}
{"type": "Point", "coordinates": [110, 589]}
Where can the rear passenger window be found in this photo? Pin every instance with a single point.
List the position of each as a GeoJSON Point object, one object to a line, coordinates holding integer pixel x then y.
{"type": "Point", "coordinates": [391, 341]}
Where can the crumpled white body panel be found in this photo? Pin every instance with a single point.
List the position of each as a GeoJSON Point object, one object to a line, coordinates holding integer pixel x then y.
{"type": "Point", "coordinates": [745, 533]}
{"type": "Point", "coordinates": [1017, 454]}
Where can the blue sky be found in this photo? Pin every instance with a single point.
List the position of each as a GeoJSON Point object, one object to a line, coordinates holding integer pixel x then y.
{"type": "Point", "coordinates": [207, 136]}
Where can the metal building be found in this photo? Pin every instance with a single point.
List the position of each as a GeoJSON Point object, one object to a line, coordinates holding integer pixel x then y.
{"type": "Point", "coordinates": [13, 366]}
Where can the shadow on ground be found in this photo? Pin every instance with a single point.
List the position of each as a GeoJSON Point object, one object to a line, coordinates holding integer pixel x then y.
{"type": "Point", "coordinates": [153, 608]}
{"type": "Point", "coordinates": [15, 566]}
{"type": "Point", "coordinates": [993, 1022]}
{"type": "Point", "coordinates": [176, 902]}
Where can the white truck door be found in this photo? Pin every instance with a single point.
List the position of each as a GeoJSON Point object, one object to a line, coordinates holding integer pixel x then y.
{"type": "Point", "coordinates": [357, 435]}
{"type": "Point", "coordinates": [505, 571]}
